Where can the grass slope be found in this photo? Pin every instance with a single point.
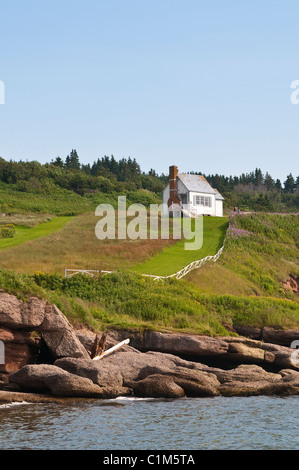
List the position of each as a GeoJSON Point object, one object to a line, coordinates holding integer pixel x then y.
{"type": "Point", "coordinates": [175, 257]}
{"type": "Point", "coordinates": [63, 202]}
{"type": "Point", "coordinates": [24, 234]}
{"type": "Point", "coordinates": [75, 245]}
{"type": "Point", "coordinates": [127, 300]}
{"type": "Point", "coordinates": [261, 251]}
{"type": "Point", "coordinates": [245, 286]}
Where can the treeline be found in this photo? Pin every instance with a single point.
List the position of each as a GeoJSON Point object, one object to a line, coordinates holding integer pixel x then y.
{"type": "Point", "coordinates": [104, 175]}
{"type": "Point", "coordinates": [250, 191]}
{"type": "Point", "coordinates": [255, 180]}
{"type": "Point", "coordinates": [257, 191]}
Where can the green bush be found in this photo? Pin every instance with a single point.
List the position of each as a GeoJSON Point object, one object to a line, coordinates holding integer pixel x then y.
{"type": "Point", "coordinates": [7, 231]}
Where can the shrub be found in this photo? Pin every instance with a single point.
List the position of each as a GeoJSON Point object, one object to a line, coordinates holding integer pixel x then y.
{"type": "Point", "coordinates": [7, 231]}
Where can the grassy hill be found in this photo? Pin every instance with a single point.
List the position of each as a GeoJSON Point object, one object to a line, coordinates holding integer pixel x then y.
{"type": "Point", "coordinates": [174, 257]}
{"type": "Point", "coordinates": [64, 202]}
{"type": "Point", "coordinates": [53, 209]}
{"type": "Point", "coordinates": [45, 249]}
{"type": "Point", "coordinates": [25, 233]}
{"type": "Point", "coordinates": [246, 285]}
{"type": "Point", "coordinates": [261, 251]}
{"type": "Point", "coordinates": [75, 245]}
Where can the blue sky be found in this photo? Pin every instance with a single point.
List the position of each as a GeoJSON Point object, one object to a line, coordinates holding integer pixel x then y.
{"type": "Point", "coordinates": [204, 85]}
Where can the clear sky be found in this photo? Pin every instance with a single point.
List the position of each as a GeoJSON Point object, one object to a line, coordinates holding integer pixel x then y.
{"type": "Point", "coordinates": [201, 84]}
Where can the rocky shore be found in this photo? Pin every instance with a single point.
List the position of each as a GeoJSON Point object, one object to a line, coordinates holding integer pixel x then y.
{"type": "Point", "coordinates": [47, 360]}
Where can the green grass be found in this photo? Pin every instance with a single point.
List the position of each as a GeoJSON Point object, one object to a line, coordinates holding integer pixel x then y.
{"type": "Point", "coordinates": [245, 286]}
{"type": "Point", "coordinates": [176, 257]}
{"type": "Point", "coordinates": [63, 202]}
{"type": "Point", "coordinates": [24, 234]}
{"type": "Point", "coordinates": [127, 300]}
{"type": "Point", "coordinates": [75, 245]}
{"type": "Point", "coordinates": [261, 251]}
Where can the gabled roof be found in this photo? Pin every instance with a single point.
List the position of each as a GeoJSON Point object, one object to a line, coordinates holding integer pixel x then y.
{"type": "Point", "coordinates": [198, 184]}
{"type": "Point", "coordinates": [218, 195]}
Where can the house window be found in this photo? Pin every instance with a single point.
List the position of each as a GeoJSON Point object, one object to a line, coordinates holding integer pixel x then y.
{"type": "Point", "coordinates": [202, 201]}
{"type": "Point", "coordinates": [208, 201]}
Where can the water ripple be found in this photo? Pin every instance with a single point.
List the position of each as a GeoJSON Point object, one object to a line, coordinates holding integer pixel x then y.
{"type": "Point", "coordinates": [253, 423]}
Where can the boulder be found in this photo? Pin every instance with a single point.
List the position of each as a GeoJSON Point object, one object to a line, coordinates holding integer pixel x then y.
{"type": "Point", "coordinates": [35, 377]}
{"type": "Point", "coordinates": [59, 335]}
{"type": "Point", "coordinates": [283, 357]}
{"type": "Point", "coordinates": [154, 364]}
{"type": "Point", "coordinates": [18, 319]}
{"type": "Point", "coordinates": [269, 335]}
{"type": "Point", "coordinates": [242, 350]}
{"type": "Point", "coordinates": [119, 369]}
{"type": "Point", "coordinates": [246, 373]}
{"type": "Point", "coordinates": [247, 380]}
{"type": "Point", "coordinates": [157, 386]}
{"type": "Point", "coordinates": [126, 369]}
{"type": "Point", "coordinates": [183, 344]}
{"type": "Point", "coordinates": [45, 378]}
{"type": "Point", "coordinates": [280, 337]}
{"type": "Point", "coordinates": [16, 314]}
{"type": "Point", "coordinates": [16, 396]}
{"type": "Point", "coordinates": [10, 311]}
{"type": "Point", "coordinates": [195, 383]}
{"type": "Point", "coordinates": [249, 331]}
{"type": "Point", "coordinates": [109, 377]}
{"type": "Point", "coordinates": [246, 389]}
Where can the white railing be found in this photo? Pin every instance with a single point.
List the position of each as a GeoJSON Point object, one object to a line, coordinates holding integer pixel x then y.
{"type": "Point", "coordinates": [90, 272]}
{"type": "Point", "coordinates": [186, 270]}
{"type": "Point", "coordinates": [178, 275]}
{"type": "Point", "coordinates": [186, 209]}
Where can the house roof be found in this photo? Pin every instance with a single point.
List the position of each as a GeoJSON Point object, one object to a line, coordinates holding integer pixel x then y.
{"type": "Point", "coordinates": [198, 183]}
{"type": "Point", "coordinates": [218, 195]}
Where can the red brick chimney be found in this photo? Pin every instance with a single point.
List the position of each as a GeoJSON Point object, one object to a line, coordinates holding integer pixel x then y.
{"type": "Point", "coordinates": [173, 198]}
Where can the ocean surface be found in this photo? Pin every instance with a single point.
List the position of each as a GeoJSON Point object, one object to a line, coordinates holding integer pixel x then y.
{"type": "Point", "coordinates": [221, 423]}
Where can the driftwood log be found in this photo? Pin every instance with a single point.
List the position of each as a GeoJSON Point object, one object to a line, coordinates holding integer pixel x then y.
{"type": "Point", "coordinates": [111, 350]}
{"type": "Point", "coordinates": [98, 345]}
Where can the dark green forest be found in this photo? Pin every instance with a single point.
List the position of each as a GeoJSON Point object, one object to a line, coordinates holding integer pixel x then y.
{"type": "Point", "coordinates": [251, 191]}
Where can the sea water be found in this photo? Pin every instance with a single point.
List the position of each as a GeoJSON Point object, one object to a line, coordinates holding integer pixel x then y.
{"type": "Point", "coordinates": [222, 423]}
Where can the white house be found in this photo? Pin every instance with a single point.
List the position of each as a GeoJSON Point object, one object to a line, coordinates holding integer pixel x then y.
{"type": "Point", "coordinates": [191, 195]}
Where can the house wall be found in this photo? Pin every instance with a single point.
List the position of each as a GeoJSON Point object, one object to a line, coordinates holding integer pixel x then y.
{"type": "Point", "coordinates": [182, 190]}
{"type": "Point", "coordinates": [204, 210]}
{"type": "Point", "coordinates": [215, 210]}
{"type": "Point", "coordinates": [219, 208]}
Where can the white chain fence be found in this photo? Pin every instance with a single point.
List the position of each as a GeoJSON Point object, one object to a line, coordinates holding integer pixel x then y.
{"type": "Point", "coordinates": [194, 265]}
{"type": "Point", "coordinates": [178, 275]}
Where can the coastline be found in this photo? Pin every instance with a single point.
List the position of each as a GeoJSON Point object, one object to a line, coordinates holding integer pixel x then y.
{"type": "Point", "coordinates": [56, 365]}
